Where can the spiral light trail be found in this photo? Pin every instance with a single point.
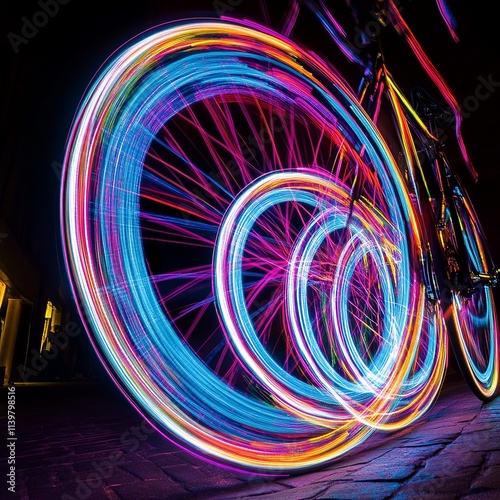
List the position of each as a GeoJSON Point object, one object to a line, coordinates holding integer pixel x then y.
{"type": "Point", "coordinates": [244, 250]}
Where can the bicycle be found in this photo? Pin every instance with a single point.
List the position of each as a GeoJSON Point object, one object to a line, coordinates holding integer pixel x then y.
{"type": "Point", "coordinates": [467, 276]}
{"type": "Point", "coordinates": [463, 269]}
{"type": "Point", "coordinates": [258, 274]}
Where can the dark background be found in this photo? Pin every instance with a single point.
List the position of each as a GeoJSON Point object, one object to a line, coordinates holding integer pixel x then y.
{"type": "Point", "coordinates": [45, 76]}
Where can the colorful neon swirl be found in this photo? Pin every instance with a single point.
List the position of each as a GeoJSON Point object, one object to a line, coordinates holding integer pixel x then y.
{"type": "Point", "coordinates": [244, 249]}
{"type": "Point", "coordinates": [474, 317]}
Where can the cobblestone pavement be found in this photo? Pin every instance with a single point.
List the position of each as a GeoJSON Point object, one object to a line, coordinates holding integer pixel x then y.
{"type": "Point", "coordinates": [83, 440]}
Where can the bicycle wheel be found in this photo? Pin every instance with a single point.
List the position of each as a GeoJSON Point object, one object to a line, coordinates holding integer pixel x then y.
{"type": "Point", "coordinates": [471, 315]}
{"type": "Point", "coordinates": [204, 159]}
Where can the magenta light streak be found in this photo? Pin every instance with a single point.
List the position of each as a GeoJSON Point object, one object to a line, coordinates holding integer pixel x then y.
{"type": "Point", "coordinates": [203, 158]}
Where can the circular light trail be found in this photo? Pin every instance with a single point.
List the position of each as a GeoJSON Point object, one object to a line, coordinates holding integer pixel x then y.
{"type": "Point", "coordinates": [303, 324]}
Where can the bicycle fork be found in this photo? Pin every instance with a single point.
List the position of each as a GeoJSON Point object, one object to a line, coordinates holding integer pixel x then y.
{"type": "Point", "coordinates": [461, 273]}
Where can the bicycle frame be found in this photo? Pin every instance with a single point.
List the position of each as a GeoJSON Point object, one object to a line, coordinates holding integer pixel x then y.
{"type": "Point", "coordinates": [312, 311]}
{"type": "Point", "coordinates": [378, 83]}
{"type": "Point", "coordinates": [448, 270]}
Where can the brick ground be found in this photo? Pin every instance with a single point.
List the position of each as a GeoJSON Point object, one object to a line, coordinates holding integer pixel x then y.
{"type": "Point", "coordinates": [83, 440]}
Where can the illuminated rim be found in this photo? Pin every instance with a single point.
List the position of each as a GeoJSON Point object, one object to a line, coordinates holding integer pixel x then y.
{"type": "Point", "coordinates": [136, 93]}
{"type": "Point", "coordinates": [475, 320]}
{"type": "Point", "coordinates": [369, 393]}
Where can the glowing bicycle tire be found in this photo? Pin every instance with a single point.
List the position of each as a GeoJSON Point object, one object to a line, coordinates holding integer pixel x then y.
{"type": "Point", "coordinates": [472, 320]}
{"type": "Point", "coordinates": [155, 133]}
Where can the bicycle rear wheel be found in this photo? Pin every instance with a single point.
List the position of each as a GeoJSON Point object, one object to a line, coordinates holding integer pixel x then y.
{"type": "Point", "coordinates": [470, 314]}
{"type": "Point", "coordinates": [204, 160]}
